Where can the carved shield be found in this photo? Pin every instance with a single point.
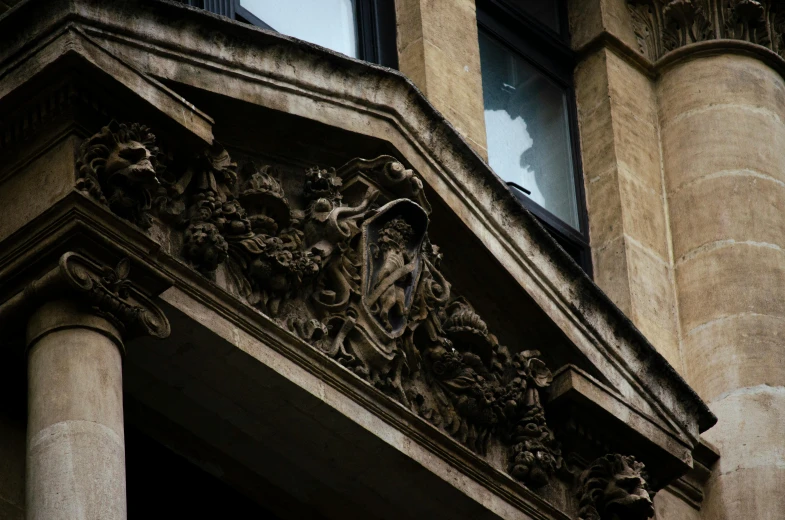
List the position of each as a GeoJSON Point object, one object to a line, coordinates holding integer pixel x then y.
{"type": "Point", "coordinates": [392, 263]}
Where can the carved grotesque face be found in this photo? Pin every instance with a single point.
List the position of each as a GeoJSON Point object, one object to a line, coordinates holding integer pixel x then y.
{"type": "Point", "coordinates": [322, 183]}
{"type": "Point", "coordinates": [626, 496]}
{"type": "Point", "coordinates": [131, 161]}
{"type": "Point", "coordinates": [614, 487]}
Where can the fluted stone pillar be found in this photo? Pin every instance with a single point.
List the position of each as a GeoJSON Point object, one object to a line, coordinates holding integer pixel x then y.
{"type": "Point", "coordinates": [722, 122]}
{"type": "Point", "coordinates": [75, 441]}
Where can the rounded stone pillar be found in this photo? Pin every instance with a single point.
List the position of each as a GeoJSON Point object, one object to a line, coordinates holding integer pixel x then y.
{"type": "Point", "coordinates": [75, 440]}
{"type": "Point", "coordinates": [722, 123]}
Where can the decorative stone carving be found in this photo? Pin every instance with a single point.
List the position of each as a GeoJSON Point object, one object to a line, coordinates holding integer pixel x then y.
{"type": "Point", "coordinates": [113, 296]}
{"type": "Point", "coordinates": [614, 487]}
{"type": "Point", "coordinates": [664, 25]}
{"type": "Point", "coordinates": [118, 167]}
{"type": "Point", "coordinates": [354, 274]}
{"type": "Point", "coordinates": [107, 290]}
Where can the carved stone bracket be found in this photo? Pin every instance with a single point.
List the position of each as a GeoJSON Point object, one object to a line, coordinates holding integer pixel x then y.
{"type": "Point", "coordinates": [106, 290]}
{"type": "Point", "coordinates": [664, 25]}
{"type": "Point", "coordinates": [614, 487]}
{"type": "Point", "coordinates": [345, 263]}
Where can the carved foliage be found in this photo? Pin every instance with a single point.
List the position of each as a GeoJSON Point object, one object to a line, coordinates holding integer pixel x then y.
{"type": "Point", "coordinates": [663, 25]}
{"type": "Point", "coordinates": [358, 280]}
{"type": "Point", "coordinates": [614, 487]}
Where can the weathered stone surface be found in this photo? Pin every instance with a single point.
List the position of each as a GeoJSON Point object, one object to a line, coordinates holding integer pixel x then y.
{"type": "Point", "coordinates": [45, 181]}
{"type": "Point", "coordinates": [746, 278]}
{"type": "Point", "coordinates": [751, 471]}
{"type": "Point", "coordinates": [722, 128]}
{"type": "Point", "coordinates": [592, 19]}
{"type": "Point", "coordinates": [75, 449]}
{"type": "Point", "coordinates": [611, 272]}
{"type": "Point", "coordinates": [653, 301]}
{"type": "Point", "coordinates": [736, 351]}
{"type": "Point", "coordinates": [745, 81]}
{"type": "Point", "coordinates": [438, 49]}
{"type": "Point", "coordinates": [617, 112]}
{"type": "Point", "coordinates": [736, 207]}
{"type": "Point", "coordinates": [667, 505]}
{"type": "Point", "coordinates": [697, 143]}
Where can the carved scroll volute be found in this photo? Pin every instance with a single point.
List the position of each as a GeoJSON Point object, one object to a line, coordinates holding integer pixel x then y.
{"type": "Point", "coordinates": [614, 487]}
{"type": "Point", "coordinates": [110, 293]}
{"type": "Point", "coordinates": [106, 291]}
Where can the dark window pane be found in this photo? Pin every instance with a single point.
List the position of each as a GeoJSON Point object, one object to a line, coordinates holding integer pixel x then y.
{"type": "Point", "coordinates": [329, 23]}
{"type": "Point", "coordinates": [527, 125]}
{"type": "Point", "coordinates": [544, 11]}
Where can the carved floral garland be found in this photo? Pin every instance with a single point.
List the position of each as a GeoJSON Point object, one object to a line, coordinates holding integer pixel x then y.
{"type": "Point", "coordinates": [360, 282]}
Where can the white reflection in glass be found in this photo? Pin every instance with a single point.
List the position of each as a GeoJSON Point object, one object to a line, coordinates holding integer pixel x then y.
{"type": "Point", "coordinates": [527, 128]}
{"type": "Point", "coordinates": [329, 23]}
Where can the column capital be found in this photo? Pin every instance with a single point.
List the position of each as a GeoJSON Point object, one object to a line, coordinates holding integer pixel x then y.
{"type": "Point", "coordinates": [107, 291]}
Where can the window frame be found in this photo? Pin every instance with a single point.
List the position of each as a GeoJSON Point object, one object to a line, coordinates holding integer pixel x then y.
{"type": "Point", "coordinates": [549, 52]}
{"type": "Point", "coordinates": [376, 30]}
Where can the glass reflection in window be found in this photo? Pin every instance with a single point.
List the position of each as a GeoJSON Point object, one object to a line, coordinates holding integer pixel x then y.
{"type": "Point", "coordinates": [527, 126]}
{"type": "Point", "coordinates": [329, 23]}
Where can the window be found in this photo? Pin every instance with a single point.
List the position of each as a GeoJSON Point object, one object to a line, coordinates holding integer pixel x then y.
{"type": "Point", "coordinates": [527, 68]}
{"type": "Point", "coordinates": [363, 29]}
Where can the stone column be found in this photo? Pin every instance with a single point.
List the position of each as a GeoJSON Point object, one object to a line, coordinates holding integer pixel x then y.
{"type": "Point", "coordinates": [75, 442]}
{"type": "Point", "coordinates": [77, 316]}
{"type": "Point", "coordinates": [722, 122]}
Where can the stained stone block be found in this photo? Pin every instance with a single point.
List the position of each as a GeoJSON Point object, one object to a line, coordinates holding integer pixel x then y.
{"type": "Point", "coordinates": [722, 138]}
{"type": "Point", "coordinates": [735, 206]}
{"type": "Point", "coordinates": [737, 351]}
{"type": "Point", "coordinates": [750, 476]}
{"type": "Point", "coordinates": [745, 279]}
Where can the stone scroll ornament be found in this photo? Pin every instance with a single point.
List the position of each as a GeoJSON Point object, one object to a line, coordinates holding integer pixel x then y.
{"type": "Point", "coordinates": [614, 487]}
{"type": "Point", "coordinates": [345, 263]}
{"type": "Point", "coordinates": [664, 25]}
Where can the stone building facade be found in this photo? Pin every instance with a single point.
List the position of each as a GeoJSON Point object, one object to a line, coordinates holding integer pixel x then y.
{"type": "Point", "coordinates": [243, 275]}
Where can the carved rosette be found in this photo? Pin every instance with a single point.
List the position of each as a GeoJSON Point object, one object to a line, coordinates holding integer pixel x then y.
{"type": "Point", "coordinates": [614, 487]}
{"type": "Point", "coordinates": [664, 25]}
{"type": "Point", "coordinates": [346, 264]}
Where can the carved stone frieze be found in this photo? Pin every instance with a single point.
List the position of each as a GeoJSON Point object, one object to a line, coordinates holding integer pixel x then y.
{"type": "Point", "coordinates": [664, 25]}
{"type": "Point", "coordinates": [345, 262]}
{"type": "Point", "coordinates": [614, 487]}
